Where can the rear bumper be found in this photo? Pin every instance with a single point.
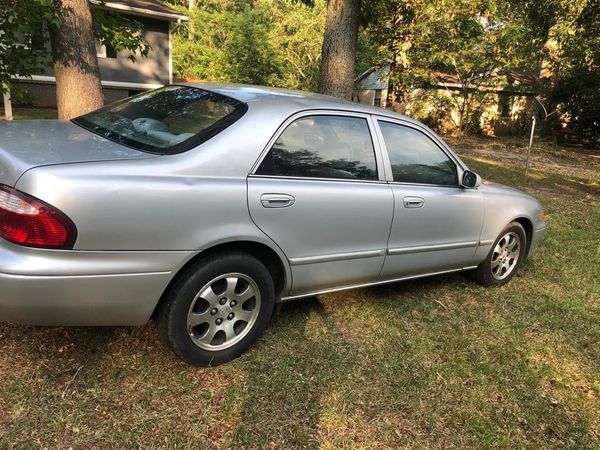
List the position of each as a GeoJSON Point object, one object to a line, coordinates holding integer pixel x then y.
{"type": "Point", "coordinates": [78, 288]}
{"type": "Point", "coordinates": [538, 234]}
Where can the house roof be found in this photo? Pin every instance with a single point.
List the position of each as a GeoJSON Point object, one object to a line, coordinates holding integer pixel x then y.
{"type": "Point", "coordinates": [377, 78]}
{"type": "Point", "coordinates": [513, 77]}
{"type": "Point", "coordinates": [148, 8]}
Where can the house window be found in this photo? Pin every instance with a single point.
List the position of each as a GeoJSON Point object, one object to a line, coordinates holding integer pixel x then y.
{"type": "Point", "coordinates": [38, 37]}
{"type": "Point", "coordinates": [377, 100]}
{"type": "Point", "coordinates": [504, 105]}
{"type": "Point", "coordinates": [105, 50]}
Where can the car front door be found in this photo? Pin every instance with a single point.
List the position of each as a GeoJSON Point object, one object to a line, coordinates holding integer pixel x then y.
{"type": "Point", "coordinates": [437, 223]}
{"type": "Point", "coordinates": [319, 193]}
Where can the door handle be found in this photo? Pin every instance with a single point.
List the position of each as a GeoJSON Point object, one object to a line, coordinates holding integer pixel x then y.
{"type": "Point", "coordinates": [277, 200]}
{"type": "Point", "coordinates": [413, 202]}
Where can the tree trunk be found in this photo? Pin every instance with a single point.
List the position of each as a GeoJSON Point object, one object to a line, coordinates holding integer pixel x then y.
{"type": "Point", "coordinates": [339, 48]}
{"type": "Point", "coordinates": [78, 88]}
{"type": "Point", "coordinates": [191, 28]}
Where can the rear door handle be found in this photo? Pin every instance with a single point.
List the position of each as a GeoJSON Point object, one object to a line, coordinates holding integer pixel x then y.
{"type": "Point", "coordinates": [277, 200]}
{"type": "Point", "coordinates": [413, 202]}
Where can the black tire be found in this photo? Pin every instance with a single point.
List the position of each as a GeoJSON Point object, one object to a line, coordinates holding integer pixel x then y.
{"type": "Point", "coordinates": [483, 273]}
{"type": "Point", "coordinates": [172, 319]}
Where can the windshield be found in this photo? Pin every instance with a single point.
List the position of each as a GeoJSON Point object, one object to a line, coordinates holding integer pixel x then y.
{"type": "Point", "coordinates": [168, 120]}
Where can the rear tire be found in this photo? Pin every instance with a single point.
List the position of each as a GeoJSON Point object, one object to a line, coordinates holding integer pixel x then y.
{"type": "Point", "coordinates": [217, 309]}
{"type": "Point", "coordinates": [503, 260]}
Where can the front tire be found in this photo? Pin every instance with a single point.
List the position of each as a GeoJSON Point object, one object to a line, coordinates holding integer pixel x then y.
{"type": "Point", "coordinates": [217, 309]}
{"type": "Point", "coordinates": [504, 258]}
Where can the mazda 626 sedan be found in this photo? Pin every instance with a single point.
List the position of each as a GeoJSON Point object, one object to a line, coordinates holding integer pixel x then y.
{"type": "Point", "coordinates": [202, 205]}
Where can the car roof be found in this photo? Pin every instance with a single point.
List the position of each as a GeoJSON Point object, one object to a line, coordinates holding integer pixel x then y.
{"type": "Point", "coordinates": [284, 99]}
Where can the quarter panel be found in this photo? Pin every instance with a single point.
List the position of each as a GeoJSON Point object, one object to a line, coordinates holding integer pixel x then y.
{"type": "Point", "coordinates": [502, 206]}
{"type": "Point", "coordinates": [138, 212]}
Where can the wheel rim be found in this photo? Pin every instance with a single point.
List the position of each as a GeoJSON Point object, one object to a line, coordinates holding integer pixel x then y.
{"type": "Point", "coordinates": [506, 255]}
{"type": "Point", "coordinates": [223, 311]}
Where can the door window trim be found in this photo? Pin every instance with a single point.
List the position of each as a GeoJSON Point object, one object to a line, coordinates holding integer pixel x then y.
{"type": "Point", "coordinates": [373, 130]}
{"type": "Point", "coordinates": [460, 166]}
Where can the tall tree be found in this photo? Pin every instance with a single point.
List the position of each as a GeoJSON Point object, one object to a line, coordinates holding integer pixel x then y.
{"type": "Point", "coordinates": [78, 88]}
{"type": "Point", "coordinates": [339, 48]}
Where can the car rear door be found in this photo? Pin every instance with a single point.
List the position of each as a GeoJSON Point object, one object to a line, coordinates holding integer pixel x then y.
{"type": "Point", "coordinates": [320, 194]}
{"type": "Point", "coordinates": [437, 223]}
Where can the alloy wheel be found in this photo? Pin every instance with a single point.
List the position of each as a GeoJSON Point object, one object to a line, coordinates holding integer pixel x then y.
{"type": "Point", "coordinates": [506, 255]}
{"type": "Point", "coordinates": [223, 311]}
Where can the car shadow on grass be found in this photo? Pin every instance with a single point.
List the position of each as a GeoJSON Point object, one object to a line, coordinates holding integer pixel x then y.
{"type": "Point", "coordinates": [448, 360]}
{"type": "Point", "coordinates": [309, 367]}
{"type": "Point", "coordinates": [60, 349]}
{"type": "Point", "coordinates": [293, 373]}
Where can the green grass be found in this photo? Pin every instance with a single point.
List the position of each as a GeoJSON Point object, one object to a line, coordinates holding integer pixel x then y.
{"type": "Point", "coordinates": [31, 113]}
{"type": "Point", "coordinates": [434, 363]}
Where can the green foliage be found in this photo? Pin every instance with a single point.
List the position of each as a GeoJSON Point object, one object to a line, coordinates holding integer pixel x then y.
{"type": "Point", "coordinates": [20, 96]}
{"type": "Point", "coordinates": [20, 31]}
{"type": "Point", "coordinates": [578, 86]}
{"type": "Point", "coordinates": [559, 40]}
{"type": "Point", "coordinates": [272, 42]}
{"type": "Point", "coordinates": [278, 42]}
{"type": "Point", "coordinates": [248, 56]}
{"type": "Point", "coordinates": [433, 110]}
{"type": "Point", "coordinates": [369, 53]}
{"type": "Point", "coordinates": [120, 32]}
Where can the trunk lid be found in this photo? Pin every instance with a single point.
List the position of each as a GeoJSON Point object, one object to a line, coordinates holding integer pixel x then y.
{"type": "Point", "coordinates": [33, 143]}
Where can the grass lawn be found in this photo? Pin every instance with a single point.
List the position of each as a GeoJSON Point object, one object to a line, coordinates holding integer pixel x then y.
{"type": "Point", "coordinates": [433, 363]}
{"type": "Point", "coordinates": [31, 113]}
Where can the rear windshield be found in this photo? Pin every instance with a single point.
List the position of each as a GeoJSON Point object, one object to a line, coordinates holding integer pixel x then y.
{"type": "Point", "coordinates": [168, 120]}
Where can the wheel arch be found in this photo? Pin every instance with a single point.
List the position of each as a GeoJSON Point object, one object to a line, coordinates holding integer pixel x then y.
{"type": "Point", "coordinates": [274, 262]}
{"type": "Point", "coordinates": [527, 225]}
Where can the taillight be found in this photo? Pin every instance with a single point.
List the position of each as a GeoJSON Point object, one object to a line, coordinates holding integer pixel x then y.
{"type": "Point", "coordinates": [27, 221]}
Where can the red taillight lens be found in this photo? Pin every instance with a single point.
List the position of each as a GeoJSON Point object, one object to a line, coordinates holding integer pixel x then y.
{"type": "Point", "coordinates": [27, 221]}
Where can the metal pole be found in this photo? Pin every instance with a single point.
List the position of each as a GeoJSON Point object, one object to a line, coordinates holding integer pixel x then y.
{"type": "Point", "coordinates": [8, 112]}
{"type": "Point", "coordinates": [530, 144]}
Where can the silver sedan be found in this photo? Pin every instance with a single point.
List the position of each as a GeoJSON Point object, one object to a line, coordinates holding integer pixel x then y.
{"type": "Point", "coordinates": [202, 205]}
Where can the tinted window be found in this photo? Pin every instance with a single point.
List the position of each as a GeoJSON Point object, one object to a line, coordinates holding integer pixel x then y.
{"type": "Point", "coordinates": [167, 120]}
{"type": "Point", "coordinates": [323, 147]}
{"type": "Point", "coordinates": [415, 158]}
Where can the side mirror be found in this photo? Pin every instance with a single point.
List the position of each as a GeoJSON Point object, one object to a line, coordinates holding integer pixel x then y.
{"type": "Point", "coordinates": [470, 180]}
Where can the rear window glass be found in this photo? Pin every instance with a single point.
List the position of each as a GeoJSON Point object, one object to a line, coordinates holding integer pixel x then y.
{"type": "Point", "coordinates": [167, 120]}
